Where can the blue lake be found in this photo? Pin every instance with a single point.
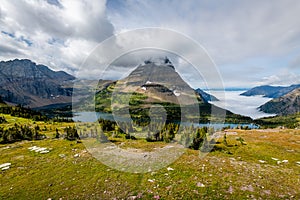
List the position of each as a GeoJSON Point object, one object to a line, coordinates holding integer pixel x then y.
{"type": "Point", "coordinates": [93, 116]}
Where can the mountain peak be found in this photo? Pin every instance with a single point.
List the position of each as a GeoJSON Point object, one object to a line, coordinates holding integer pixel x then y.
{"type": "Point", "coordinates": [159, 61]}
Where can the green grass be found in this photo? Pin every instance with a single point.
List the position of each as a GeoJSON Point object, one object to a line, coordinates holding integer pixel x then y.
{"type": "Point", "coordinates": [239, 175]}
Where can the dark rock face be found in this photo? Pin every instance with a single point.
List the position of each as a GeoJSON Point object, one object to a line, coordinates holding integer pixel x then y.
{"type": "Point", "coordinates": [270, 91]}
{"type": "Point", "coordinates": [287, 104]}
{"type": "Point", "coordinates": [207, 97]}
{"type": "Point", "coordinates": [26, 83]}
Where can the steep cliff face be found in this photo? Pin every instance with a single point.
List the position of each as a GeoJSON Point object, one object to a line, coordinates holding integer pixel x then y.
{"type": "Point", "coordinates": [26, 83]}
{"type": "Point", "coordinates": [287, 104]}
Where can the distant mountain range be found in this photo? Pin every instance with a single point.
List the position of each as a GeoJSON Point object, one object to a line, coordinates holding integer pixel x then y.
{"type": "Point", "coordinates": [36, 86]}
{"type": "Point", "coordinates": [284, 105]}
{"type": "Point", "coordinates": [270, 91]}
{"type": "Point", "coordinates": [26, 83]}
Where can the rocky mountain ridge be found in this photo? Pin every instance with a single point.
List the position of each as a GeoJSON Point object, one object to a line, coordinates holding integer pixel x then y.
{"type": "Point", "coordinates": [270, 91]}
{"type": "Point", "coordinates": [29, 84]}
{"type": "Point", "coordinates": [284, 105]}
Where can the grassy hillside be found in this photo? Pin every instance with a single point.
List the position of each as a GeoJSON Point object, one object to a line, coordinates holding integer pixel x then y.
{"type": "Point", "coordinates": [289, 121]}
{"type": "Point", "coordinates": [252, 170]}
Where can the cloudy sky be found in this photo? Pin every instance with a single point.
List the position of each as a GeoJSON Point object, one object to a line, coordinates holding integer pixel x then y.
{"type": "Point", "coordinates": [251, 42]}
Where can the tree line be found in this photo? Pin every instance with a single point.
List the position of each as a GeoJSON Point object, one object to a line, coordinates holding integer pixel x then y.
{"type": "Point", "coordinates": [20, 132]}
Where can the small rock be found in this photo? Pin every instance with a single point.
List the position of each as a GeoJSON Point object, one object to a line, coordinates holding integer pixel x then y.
{"type": "Point", "coordinates": [285, 161]}
{"type": "Point", "coordinates": [39, 149]}
{"type": "Point", "coordinates": [200, 184]}
{"type": "Point", "coordinates": [276, 159]}
{"type": "Point", "coordinates": [262, 161]}
{"type": "Point", "coordinates": [290, 150]}
{"type": "Point", "coordinates": [170, 169]}
{"type": "Point", "coordinates": [62, 155]}
{"type": "Point", "coordinates": [44, 151]}
{"type": "Point", "coordinates": [151, 180]}
{"type": "Point", "coordinates": [76, 155]}
{"type": "Point", "coordinates": [5, 166]}
{"type": "Point", "coordinates": [298, 162]}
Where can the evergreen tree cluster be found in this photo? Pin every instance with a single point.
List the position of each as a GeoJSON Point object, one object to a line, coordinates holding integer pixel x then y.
{"type": "Point", "coordinates": [2, 120]}
{"type": "Point", "coordinates": [20, 111]}
{"type": "Point", "coordinates": [19, 132]}
{"type": "Point", "coordinates": [71, 133]}
{"type": "Point", "coordinates": [189, 136]}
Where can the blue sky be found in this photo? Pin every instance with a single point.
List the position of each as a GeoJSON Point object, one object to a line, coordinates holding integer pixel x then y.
{"type": "Point", "coordinates": [251, 42]}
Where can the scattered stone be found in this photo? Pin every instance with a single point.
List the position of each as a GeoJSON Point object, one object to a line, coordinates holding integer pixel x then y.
{"type": "Point", "coordinates": [298, 162]}
{"type": "Point", "coordinates": [62, 155]}
{"type": "Point", "coordinates": [41, 150]}
{"type": "Point", "coordinates": [278, 162]}
{"type": "Point", "coordinates": [200, 184]}
{"type": "Point", "coordinates": [45, 151]}
{"type": "Point", "coordinates": [290, 150]}
{"type": "Point", "coordinates": [276, 159]}
{"type": "Point", "coordinates": [151, 180]}
{"type": "Point", "coordinates": [262, 161]}
{"type": "Point", "coordinates": [5, 166]}
{"type": "Point", "coordinates": [285, 161]}
{"type": "Point", "coordinates": [76, 155]}
{"type": "Point", "coordinates": [170, 169]}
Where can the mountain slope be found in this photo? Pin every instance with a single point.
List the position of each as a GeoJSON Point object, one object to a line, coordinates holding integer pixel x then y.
{"type": "Point", "coordinates": [26, 83]}
{"type": "Point", "coordinates": [207, 97]}
{"type": "Point", "coordinates": [270, 91]}
{"type": "Point", "coordinates": [287, 104]}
